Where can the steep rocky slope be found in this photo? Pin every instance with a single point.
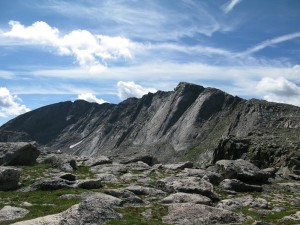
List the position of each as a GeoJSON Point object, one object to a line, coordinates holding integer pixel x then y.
{"type": "Point", "coordinates": [190, 123]}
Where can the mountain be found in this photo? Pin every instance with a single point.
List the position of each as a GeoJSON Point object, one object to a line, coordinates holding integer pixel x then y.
{"type": "Point", "coordinates": [193, 123]}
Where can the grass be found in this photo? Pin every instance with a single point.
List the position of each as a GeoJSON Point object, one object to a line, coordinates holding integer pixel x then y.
{"type": "Point", "coordinates": [83, 172]}
{"type": "Point", "coordinates": [43, 202]}
{"type": "Point", "coordinates": [30, 173]}
{"type": "Point", "coordinates": [133, 216]}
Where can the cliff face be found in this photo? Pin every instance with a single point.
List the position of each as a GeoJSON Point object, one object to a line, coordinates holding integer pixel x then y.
{"type": "Point", "coordinates": [190, 123]}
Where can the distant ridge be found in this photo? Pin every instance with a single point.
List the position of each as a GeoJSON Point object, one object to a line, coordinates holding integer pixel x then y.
{"type": "Point", "coordinates": [190, 123]}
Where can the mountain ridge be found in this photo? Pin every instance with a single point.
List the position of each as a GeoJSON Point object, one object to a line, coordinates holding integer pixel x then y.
{"type": "Point", "coordinates": [190, 123]}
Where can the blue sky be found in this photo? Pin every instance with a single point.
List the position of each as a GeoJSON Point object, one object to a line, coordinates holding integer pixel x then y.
{"type": "Point", "coordinates": [109, 50]}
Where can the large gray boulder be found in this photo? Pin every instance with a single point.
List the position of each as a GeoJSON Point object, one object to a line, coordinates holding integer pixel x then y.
{"type": "Point", "coordinates": [186, 198]}
{"type": "Point", "coordinates": [212, 177]}
{"type": "Point", "coordinates": [244, 201]}
{"type": "Point", "coordinates": [63, 162]}
{"type": "Point", "coordinates": [242, 170]}
{"type": "Point", "coordinates": [95, 209]}
{"type": "Point", "coordinates": [178, 166]}
{"type": "Point", "coordinates": [9, 178]}
{"type": "Point", "coordinates": [12, 213]}
{"type": "Point", "coordinates": [95, 161]}
{"type": "Point", "coordinates": [191, 214]}
{"type": "Point", "coordinates": [124, 194]}
{"type": "Point", "coordinates": [194, 185]}
{"type": "Point", "coordinates": [18, 153]}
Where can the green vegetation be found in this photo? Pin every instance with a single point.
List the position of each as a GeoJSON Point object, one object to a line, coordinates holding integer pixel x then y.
{"type": "Point", "coordinates": [30, 173]}
{"type": "Point", "coordinates": [43, 202]}
{"type": "Point", "coordinates": [133, 216]}
{"type": "Point", "coordinates": [83, 172]}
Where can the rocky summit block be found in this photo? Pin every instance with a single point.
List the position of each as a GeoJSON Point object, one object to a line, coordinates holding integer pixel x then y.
{"type": "Point", "coordinates": [18, 153]}
{"type": "Point", "coordinates": [9, 178]}
{"type": "Point", "coordinates": [242, 170]}
{"type": "Point", "coordinates": [191, 214]}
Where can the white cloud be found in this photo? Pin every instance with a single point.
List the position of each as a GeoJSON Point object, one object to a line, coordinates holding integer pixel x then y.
{"type": "Point", "coordinates": [230, 5]}
{"type": "Point", "coordinates": [270, 42]}
{"type": "Point", "coordinates": [90, 50]}
{"type": "Point", "coordinates": [9, 104]}
{"type": "Point", "coordinates": [131, 89]}
{"type": "Point", "coordinates": [90, 98]}
{"type": "Point", "coordinates": [279, 90]}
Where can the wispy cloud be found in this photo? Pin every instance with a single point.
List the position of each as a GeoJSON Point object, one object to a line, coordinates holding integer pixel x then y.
{"type": "Point", "coordinates": [270, 42]}
{"type": "Point", "coordinates": [230, 5]}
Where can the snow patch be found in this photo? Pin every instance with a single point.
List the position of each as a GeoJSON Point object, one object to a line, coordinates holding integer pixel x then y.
{"type": "Point", "coordinates": [72, 146]}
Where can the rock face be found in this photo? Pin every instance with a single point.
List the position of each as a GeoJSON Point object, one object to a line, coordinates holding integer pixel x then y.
{"type": "Point", "coordinates": [18, 153]}
{"type": "Point", "coordinates": [9, 178]}
{"type": "Point", "coordinates": [188, 123]}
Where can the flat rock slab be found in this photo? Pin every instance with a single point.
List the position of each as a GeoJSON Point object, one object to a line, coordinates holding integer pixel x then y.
{"type": "Point", "coordinates": [178, 166]}
{"type": "Point", "coordinates": [115, 169]}
{"type": "Point", "coordinates": [194, 185]}
{"type": "Point", "coordinates": [18, 153]}
{"type": "Point", "coordinates": [140, 190]}
{"type": "Point", "coordinates": [9, 178]}
{"type": "Point", "coordinates": [212, 177]}
{"type": "Point", "coordinates": [100, 160]}
{"type": "Point", "coordinates": [191, 214]}
{"type": "Point", "coordinates": [239, 186]}
{"type": "Point", "coordinates": [12, 213]}
{"type": "Point", "coordinates": [245, 201]}
{"type": "Point", "coordinates": [186, 198]}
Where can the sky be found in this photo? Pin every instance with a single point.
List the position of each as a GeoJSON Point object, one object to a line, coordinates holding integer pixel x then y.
{"type": "Point", "coordinates": [109, 50]}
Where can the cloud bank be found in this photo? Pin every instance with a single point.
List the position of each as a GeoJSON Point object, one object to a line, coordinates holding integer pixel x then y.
{"type": "Point", "coordinates": [279, 90]}
{"type": "Point", "coordinates": [90, 98]}
{"type": "Point", "coordinates": [9, 104]}
{"type": "Point", "coordinates": [90, 50]}
{"type": "Point", "coordinates": [131, 89]}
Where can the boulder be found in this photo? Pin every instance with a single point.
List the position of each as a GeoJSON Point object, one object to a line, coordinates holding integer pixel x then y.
{"type": "Point", "coordinates": [12, 213]}
{"type": "Point", "coordinates": [239, 186]}
{"type": "Point", "coordinates": [148, 159]}
{"type": "Point", "coordinates": [140, 190]}
{"type": "Point", "coordinates": [124, 194]}
{"type": "Point", "coordinates": [49, 184]}
{"type": "Point", "coordinates": [63, 162]}
{"type": "Point", "coordinates": [178, 166]}
{"type": "Point", "coordinates": [293, 217]}
{"type": "Point", "coordinates": [18, 153]}
{"type": "Point", "coordinates": [191, 214]}
{"type": "Point", "coordinates": [89, 184]}
{"type": "Point", "coordinates": [245, 201]}
{"type": "Point", "coordinates": [212, 177]}
{"type": "Point", "coordinates": [194, 185]}
{"type": "Point", "coordinates": [186, 198]}
{"type": "Point", "coordinates": [95, 161]}
{"type": "Point", "coordinates": [115, 169]}
{"type": "Point", "coordinates": [9, 178]}
{"type": "Point", "coordinates": [242, 170]}
{"type": "Point", "coordinates": [96, 209]}
{"type": "Point", "coordinates": [68, 176]}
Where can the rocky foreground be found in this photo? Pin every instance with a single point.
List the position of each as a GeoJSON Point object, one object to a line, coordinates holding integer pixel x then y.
{"type": "Point", "coordinates": [57, 188]}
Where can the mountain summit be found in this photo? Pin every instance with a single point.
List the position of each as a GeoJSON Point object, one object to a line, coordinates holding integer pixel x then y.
{"type": "Point", "coordinates": [193, 123]}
